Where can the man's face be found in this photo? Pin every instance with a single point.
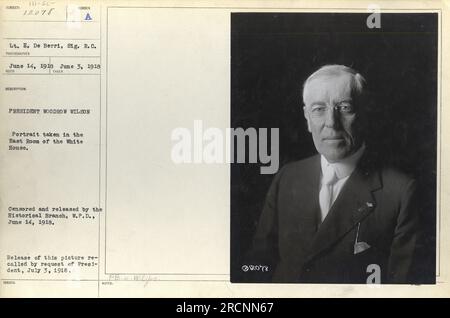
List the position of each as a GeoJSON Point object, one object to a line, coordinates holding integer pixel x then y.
{"type": "Point", "coordinates": [332, 116]}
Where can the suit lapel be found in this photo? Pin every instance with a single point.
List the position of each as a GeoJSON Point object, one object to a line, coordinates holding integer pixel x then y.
{"type": "Point", "coordinates": [354, 203]}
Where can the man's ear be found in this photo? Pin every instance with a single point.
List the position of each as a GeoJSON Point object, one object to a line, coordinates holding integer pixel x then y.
{"type": "Point", "coordinates": [305, 113]}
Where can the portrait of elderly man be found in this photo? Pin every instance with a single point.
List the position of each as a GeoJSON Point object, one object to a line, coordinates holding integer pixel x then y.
{"type": "Point", "coordinates": [338, 216]}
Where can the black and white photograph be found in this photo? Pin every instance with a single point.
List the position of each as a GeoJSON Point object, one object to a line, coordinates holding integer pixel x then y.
{"type": "Point", "coordinates": [234, 155]}
{"type": "Point", "coordinates": [354, 98]}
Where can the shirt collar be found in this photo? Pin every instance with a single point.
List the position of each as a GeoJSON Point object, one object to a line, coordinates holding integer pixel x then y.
{"type": "Point", "coordinates": [346, 166]}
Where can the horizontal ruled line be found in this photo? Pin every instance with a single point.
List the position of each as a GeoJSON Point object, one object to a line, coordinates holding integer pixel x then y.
{"type": "Point", "coordinates": [68, 39]}
{"type": "Point", "coordinates": [58, 56]}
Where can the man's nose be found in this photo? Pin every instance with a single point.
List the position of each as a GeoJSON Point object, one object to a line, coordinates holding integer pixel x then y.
{"type": "Point", "coordinates": [332, 118]}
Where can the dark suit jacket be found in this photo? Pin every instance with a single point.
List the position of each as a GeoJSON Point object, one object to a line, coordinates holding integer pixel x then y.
{"type": "Point", "coordinates": [376, 204]}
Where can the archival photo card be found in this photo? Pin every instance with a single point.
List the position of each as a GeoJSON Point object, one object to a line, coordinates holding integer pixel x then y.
{"type": "Point", "coordinates": [341, 110]}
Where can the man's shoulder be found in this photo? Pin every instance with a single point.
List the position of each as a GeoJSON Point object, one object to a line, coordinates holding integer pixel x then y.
{"type": "Point", "coordinates": [392, 178]}
{"type": "Point", "coordinates": [300, 168]}
{"type": "Point", "coordinates": [395, 178]}
{"type": "Point", "coordinates": [303, 164]}
{"type": "Point", "coordinates": [390, 171]}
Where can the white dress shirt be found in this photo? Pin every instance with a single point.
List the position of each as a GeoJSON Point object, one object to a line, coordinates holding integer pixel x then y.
{"type": "Point", "coordinates": [343, 169]}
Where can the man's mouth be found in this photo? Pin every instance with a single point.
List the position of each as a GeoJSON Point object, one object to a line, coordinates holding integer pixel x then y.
{"type": "Point", "coordinates": [333, 141]}
{"type": "Point", "coordinates": [333, 138]}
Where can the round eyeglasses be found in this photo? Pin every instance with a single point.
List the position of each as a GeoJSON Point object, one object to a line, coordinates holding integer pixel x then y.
{"type": "Point", "coordinates": [319, 111]}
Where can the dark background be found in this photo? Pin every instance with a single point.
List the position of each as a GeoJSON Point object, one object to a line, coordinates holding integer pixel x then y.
{"type": "Point", "coordinates": [272, 54]}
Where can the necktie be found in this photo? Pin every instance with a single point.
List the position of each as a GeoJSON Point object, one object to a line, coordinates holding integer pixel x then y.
{"type": "Point", "coordinates": [326, 191]}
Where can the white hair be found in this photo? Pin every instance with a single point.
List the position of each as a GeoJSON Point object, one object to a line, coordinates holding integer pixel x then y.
{"type": "Point", "coordinates": [358, 82]}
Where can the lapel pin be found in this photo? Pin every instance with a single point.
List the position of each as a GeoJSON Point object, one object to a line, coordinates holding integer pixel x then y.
{"type": "Point", "coordinates": [368, 205]}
